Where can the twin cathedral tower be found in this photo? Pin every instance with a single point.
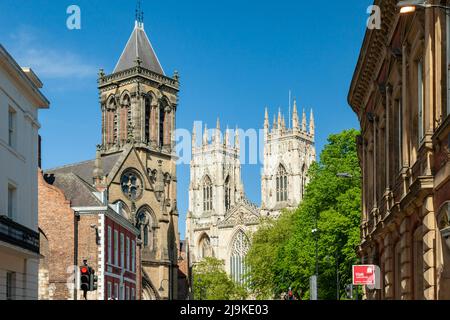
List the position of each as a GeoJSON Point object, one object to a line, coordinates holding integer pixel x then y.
{"type": "Point", "coordinates": [220, 217]}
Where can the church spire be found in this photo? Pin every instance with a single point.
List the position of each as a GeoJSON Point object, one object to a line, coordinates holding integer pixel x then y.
{"type": "Point", "coordinates": [194, 137]}
{"type": "Point", "coordinates": [236, 139]}
{"type": "Point", "coordinates": [138, 50]}
{"type": "Point", "coordinates": [217, 133]}
{"type": "Point", "coordinates": [295, 117]}
{"type": "Point", "coordinates": [311, 123]}
{"type": "Point", "coordinates": [304, 121]}
{"type": "Point", "coordinates": [226, 140]}
{"type": "Point", "coordinates": [205, 135]}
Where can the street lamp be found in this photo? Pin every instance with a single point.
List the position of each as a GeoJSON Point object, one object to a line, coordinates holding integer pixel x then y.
{"type": "Point", "coordinates": [410, 6]}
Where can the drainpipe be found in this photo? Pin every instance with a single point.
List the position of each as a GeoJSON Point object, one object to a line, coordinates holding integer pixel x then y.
{"type": "Point", "coordinates": [75, 256]}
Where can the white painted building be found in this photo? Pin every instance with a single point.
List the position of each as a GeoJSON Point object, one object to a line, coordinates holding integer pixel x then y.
{"type": "Point", "coordinates": [20, 100]}
{"type": "Point", "coordinates": [220, 218]}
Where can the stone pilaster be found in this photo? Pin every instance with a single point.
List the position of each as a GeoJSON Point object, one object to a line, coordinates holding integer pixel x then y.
{"type": "Point", "coordinates": [388, 267]}
{"type": "Point", "coordinates": [405, 259]}
{"type": "Point", "coordinates": [429, 244]}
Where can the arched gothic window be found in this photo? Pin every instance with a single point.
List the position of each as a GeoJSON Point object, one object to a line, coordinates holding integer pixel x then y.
{"type": "Point", "coordinates": [146, 225]}
{"type": "Point", "coordinates": [207, 194]}
{"type": "Point", "coordinates": [205, 247]}
{"type": "Point", "coordinates": [147, 117]}
{"type": "Point", "coordinates": [227, 194]}
{"type": "Point", "coordinates": [239, 249]}
{"type": "Point", "coordinates": [162, 120]}
{"type": "Point", "coordinates": [282, 184]}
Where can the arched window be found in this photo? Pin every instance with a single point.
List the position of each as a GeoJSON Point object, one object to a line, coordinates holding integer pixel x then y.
{"type": "Point", "coordinates": [239, 249]}
{"type": "Point", "coordinates": [282, 184]}
{"type": "Point", "coordinates": [146, 225]}
{"type": "Point", "coordinates": [205, 247]}
{"type": "Point", "coordinates": [147, 117]}
{"type": "Point", "coordinates": [207, 194]}
{"type": "Point", "coordinates": [162, 120]}
{"type": "Point", "coordinates": [227, 194]}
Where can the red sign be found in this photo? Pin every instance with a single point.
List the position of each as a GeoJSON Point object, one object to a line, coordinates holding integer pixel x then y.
{"type": "Point", "coordinates": [364, 275]}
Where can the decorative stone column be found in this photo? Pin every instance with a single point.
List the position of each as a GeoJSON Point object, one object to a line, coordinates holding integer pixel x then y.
{"type": "Point", "coordinates": [388, 267]}
{"type": "Point", "coordinates": [429, 250]}
{"type": "Point", "coordinates": [405, 259]}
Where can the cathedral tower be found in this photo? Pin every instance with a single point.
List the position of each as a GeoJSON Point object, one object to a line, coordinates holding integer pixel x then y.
{"type": "Point", "coordinates": [288, 154]}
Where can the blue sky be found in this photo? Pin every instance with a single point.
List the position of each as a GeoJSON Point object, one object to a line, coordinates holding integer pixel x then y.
{"type": "Point", "coordinates": [234, 57]}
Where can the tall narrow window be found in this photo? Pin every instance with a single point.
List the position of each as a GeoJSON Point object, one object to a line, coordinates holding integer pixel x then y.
{"type": "Point", "coordinates": [282, 183]}
{"type": "Point", "coordinates": [12, 201]}
{"type": "Point", "coordinates": [162, 118]}
{"type": "Point", "coordinates": [10, 285]}
{"type": "Point", "coordinates": [12, 128]}
{"type": "Point", "coordinates": [227, 194]}
{"type": "Point", "coordinates": [133, 256]}
{"type": "Point", "coordinates": [122, 250]}
{"type": "Point", "coordinates": [116, 248]}
{"type": "Point", "coordinates": [420, 100]}
{"type": "Point", "coordinates": [147, 118]}
{"type": "Point", "coordinates": [207, 194]}
{"type": "Point", "coordinates": [127, 261]}
{"type": "Point", "coordinates": [240, 247]}
{"type": "Point", "coordinates": [109, 245]}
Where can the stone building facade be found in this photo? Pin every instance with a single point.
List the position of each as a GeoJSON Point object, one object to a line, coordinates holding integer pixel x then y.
{"type": "Point", "coordinates": [220, 218]}
{"type": "Point", "coordinates": [400, 93]}
{"type": "Point", "coordinates": [136, 160]}
{"type": "Point", "coordinates": [21, 100]}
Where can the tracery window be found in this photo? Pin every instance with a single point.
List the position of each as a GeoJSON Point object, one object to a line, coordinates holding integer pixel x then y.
{"type": "Point", "coordinates": [227, 194]}
{"type": "Point", "coordinates": [207, 194]}
{"type": "Point", "coordinates": [146, 226]}
{"type": "Point", "coordinates": [239, 250]}
{"type": "Point", "coordinates": [282, 184]}
{"type": "Point", "coordinates": [131, 184]}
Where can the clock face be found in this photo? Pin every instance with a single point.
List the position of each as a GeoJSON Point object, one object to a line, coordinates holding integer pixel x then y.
{"type": "Point", "coordinates": [131, 184]}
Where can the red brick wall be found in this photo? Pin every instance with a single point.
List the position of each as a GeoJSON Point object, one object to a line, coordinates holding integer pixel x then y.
{"type": "Point", "coordinates": [56, 220]}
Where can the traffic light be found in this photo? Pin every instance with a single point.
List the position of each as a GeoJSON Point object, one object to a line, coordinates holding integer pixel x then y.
{"type": "Point", "coordinates": [94, 281]}
{"type": "Point", "coordinates": [85, 278]}
{"type": "Point", "coordinates": [349, 291]}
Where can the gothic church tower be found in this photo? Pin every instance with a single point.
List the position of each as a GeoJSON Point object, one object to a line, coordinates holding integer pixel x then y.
{"type": "Point", "coordinates": [288, 154]}
{"type": "Point", "coordinates": [137, 157]}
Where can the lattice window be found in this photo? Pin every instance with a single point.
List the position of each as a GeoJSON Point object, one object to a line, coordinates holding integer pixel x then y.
{"type": "Point", "coordinates": [282, 184]}
{"type": "Point", "coordinates": [239, 250]}
{"type": "Point", "coordinates": [227, 194]}
{"type": "Point", "coordinates": [207, 194]}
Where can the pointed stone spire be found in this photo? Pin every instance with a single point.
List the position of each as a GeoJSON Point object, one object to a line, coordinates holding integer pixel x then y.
{"type": "Point", "coordinates": [194, 137]}
{"type": "Point", "coordinates": [295, 123]}
{"type": "Point", "coordinates": [274, 125]}
{"type": "Point", "coordinates": [226, 140]}
{"type": "Point", "coordinates": [311, 123]}
{"type": "Point", "coordinates": [205, 135]}
{"type": "Point", "coordinates": [266, 119]}
{"type": "Point", "coordinates": [283, 124]}
{"type": "Point", "coordinates": [236, 139]}
{"type": "Point", "coordinates": [304, 121]}
{"type": "Point", "coordinates": [217, 132]}
{"type": "Point", "coordinates": [279, 125]}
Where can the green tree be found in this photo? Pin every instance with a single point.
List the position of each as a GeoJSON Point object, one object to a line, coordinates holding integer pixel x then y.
{"type": "Point", "coordinates": [283, 251]}
{"type": "Point", "coordinates": [212, 283]}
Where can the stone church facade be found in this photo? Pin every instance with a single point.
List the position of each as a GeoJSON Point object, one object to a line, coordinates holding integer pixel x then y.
{"type": "Point", "coordinates": [136, 161]}
{"type": "Point", "coordinates": [221, 219]}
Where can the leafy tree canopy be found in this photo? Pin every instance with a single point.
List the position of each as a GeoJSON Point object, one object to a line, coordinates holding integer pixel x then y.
{"type": "Point", "coordinates": [283, 251]}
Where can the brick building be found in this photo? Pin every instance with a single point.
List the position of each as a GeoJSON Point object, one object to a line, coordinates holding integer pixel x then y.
{"type": "Point", "coordinates": [77, 224]}
{"type": "Point", "coordinates": [400, 93]}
